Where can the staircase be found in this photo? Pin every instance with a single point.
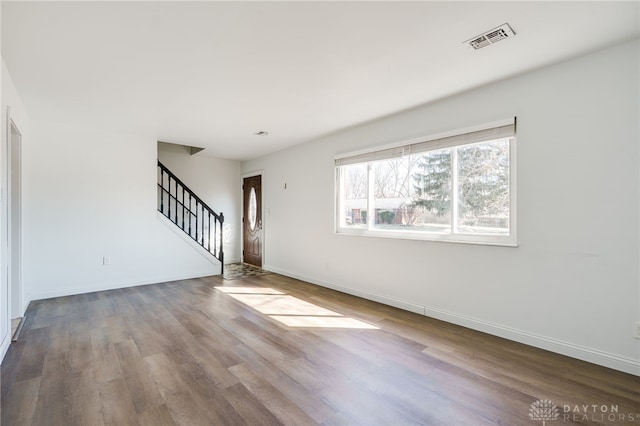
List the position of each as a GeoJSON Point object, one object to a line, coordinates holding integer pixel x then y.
{"type": "Point", "coordinates": [189, 213]}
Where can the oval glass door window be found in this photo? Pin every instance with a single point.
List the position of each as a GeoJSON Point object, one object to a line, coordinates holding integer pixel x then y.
{"type": "Point", "coordinates": [253, 207]}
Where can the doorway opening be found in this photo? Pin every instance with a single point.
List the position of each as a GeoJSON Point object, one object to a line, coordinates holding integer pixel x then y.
{"type": "Point", "coordinates": [14, 225]}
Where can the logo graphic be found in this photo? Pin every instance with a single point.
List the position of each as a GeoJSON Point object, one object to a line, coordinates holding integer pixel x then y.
{"type": "Point", "coordinates": [544, 410]}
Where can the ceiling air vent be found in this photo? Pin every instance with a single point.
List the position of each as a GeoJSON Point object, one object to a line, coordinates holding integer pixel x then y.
{"type": "Point", "coordinates": [491, 36]}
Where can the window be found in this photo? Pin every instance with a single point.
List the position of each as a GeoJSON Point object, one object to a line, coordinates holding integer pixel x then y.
{"type": "Point", "coordinates": [459, 188]}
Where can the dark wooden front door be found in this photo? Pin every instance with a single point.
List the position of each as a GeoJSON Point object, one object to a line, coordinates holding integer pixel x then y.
{"type": "Point", "coordinates": [252, 220]}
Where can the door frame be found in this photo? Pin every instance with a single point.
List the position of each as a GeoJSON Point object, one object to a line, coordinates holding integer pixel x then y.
{"type": "Point", "coordinates": [14, 230]}
{"type": "Point", "coordinates": [260, 173]}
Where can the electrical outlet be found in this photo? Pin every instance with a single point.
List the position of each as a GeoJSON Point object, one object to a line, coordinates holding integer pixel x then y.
{"type": "Point", "coordinates": [106, 260]}
{"type": "Point", "coordinates": [637, 334]}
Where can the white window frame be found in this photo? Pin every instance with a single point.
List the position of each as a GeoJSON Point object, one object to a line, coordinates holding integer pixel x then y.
{"type": "Point", "coordinates": [435, 142]}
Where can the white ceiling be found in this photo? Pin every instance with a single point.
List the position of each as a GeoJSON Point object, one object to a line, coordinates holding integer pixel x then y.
{"type": "Point", "coordinates": [210, 74]}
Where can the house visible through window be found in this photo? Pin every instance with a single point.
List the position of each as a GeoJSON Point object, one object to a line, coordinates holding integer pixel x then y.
{"type": "Point", "coordinates": [458, 188]}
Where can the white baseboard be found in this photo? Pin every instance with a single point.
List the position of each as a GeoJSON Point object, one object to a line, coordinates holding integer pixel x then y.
{"type": "Point", "coordinates": [572, 350]}
{"type": "Point", "coordinates": [213, 270]}
{"type": "Point", "coordinates": [397, 303]}
{"type": "Point", "coordinates": [4, 346]}
{"type": "Point", "coordinates": [583, 353]}
{"type": "Point", "coordinates": [118, 284]}
{"type": "Point", "coordinates": [6, 341]}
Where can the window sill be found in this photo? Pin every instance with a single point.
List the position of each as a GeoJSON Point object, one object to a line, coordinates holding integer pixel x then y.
{"type": "Point", "coordinates": [476, 239]}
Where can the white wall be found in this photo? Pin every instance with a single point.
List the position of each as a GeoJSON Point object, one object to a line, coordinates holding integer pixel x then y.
{"type": "Point", "coordinates": [9, 97]}
{"type": "Point", "coordinates": [216, 182]}
{"type": "Point", "coordinates": [572, 285]}
{"type": "Point", "coordinates": [89, 194]}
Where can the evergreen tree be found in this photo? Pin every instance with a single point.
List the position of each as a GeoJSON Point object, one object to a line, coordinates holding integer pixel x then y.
{"type": "Point", "coordinates": [483, 180]}
{"type": "Point", "coordinates": [432, 182]}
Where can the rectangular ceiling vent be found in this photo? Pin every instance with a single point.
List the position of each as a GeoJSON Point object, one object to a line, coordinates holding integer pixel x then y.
{"type": "Point", "coordinates": [491, 37]}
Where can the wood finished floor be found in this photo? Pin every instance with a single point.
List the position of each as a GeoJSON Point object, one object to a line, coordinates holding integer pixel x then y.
{"type": "Point", "coordinates": [187, 353]}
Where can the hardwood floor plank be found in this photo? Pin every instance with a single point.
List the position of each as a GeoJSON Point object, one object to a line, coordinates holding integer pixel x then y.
{"type": "Point", "coordinates": [117, 405]}
{"type": "Point", "coordinates": [10, 366]}
{"type": "Point", "coordinates": [148, 339]}
{"type": "Point", "coordinates": [20, 399]}
{"type": "Point", "coordinates": [80, 350]}
{"type": "Point", "coordinates": [208, 393]}
{"type": "Point", "coordinates": [32, 358]}
{"type": "Point", "coordinates": [213, 338]}
{"type": "Point", "coordinates": [275, 401]}
{"type": "Point", "coordinates": [188, 353]}
{"type": "Point", "coordinates": [142, 388]}
{"type": "Point", "coordinates": [302, 396]}
{"type": "Point", "coordinates": [157, 416]}
{"type": "Point", "coordinates": [185, 407]}
{"type": "Point", "coordinates": [117, 328]}
{"type": "Point", "coordinates": [53, 406]}
{"type": "Point", "coordinates": [104, 358]}
{"type": "Point", "coordinates": [248, 406]}
{"type": "Point", "coordinates": [85, 399]}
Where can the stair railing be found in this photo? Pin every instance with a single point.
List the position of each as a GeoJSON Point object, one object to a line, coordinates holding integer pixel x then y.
{"type": "Point", "coordinates": [188, 212]}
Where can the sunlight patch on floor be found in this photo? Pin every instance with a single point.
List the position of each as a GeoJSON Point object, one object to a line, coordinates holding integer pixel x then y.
{"type": "Point", "coordinates": [248, 290]}
{"type": "Point", "coordinates": [270, 304]}
{"type": "Point", "coordinates": [324, 322]}
{"type": "Point", "coordinates": [291, 311]}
